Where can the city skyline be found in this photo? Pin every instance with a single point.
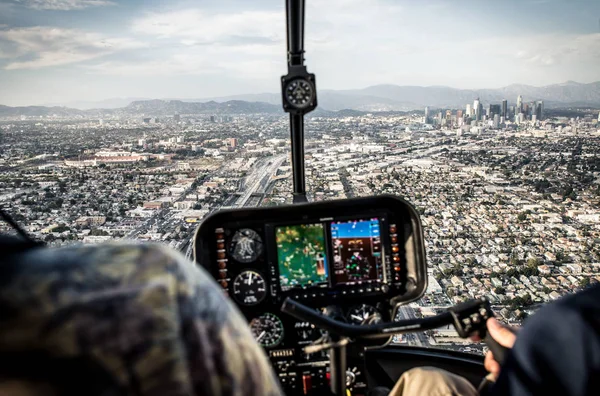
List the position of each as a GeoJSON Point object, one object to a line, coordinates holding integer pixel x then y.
{"type": "Point", "coordinates": [62, 50]}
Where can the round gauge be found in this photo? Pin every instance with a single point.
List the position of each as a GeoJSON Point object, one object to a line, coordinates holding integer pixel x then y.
{"type": "Point", "coordinates": [299, 93]}
{"type": "Point", "coordinates": [361, 313]}
{"type": "Point", "coordinates": [267, 329]}
{"type": "Point", "coordinates": [306, 332]}
{"type": "Point", "coordinates": [245, 245]}
{"type": "Point", "coordinates": [249, 288]}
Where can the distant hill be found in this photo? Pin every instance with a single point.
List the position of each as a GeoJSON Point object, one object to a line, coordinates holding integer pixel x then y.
{"type": "Point", "coordinates": [111, 103]}
{"type": "Point", "coordinates": [381, 98]}
{"type": "Point", "coordinates": [150, 108]}
{"type": "Point", "coordinates": [402, 98]}
{"type": "Point", "coordinates": [38, 111]}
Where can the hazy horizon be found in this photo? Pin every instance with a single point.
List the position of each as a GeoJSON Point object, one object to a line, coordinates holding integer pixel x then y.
{"type": "Point", "coordinates": [62, 51]}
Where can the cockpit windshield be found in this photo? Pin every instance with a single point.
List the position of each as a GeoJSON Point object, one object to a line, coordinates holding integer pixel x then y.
{"type": "Point", "coordinates": [135, 120]}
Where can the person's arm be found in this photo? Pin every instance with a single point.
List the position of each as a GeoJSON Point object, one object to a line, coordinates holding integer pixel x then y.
{"type": "Point", "coordinates": [557, 351]}
{"type": "Point", "coordinates": [504, 337]}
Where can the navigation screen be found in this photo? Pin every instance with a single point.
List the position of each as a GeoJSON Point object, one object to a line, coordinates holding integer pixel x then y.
{"type": "Point", "coordinates": [301, 255]}
{"type": "Point", "coordinates": [356, 251]}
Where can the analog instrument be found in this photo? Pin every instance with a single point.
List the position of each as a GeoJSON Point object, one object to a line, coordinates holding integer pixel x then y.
{"type": "Point", "coordinates": [245, 246]}
{"type": "Point", "coordinates": [306, 332]}
{"type": "Point", "coordinates": [249, 288]}
{"type": "Point", "coordinates": [299, 93]}
{"type": "Point", "coordinates": [267, 330]}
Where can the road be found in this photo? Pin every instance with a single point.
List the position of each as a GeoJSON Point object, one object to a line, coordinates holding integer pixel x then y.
{"type": "Point", "coordinates": [256, 182]}
{"type": "Point", "coordinates": [407, 313]}
{"type": "Point", "coordinates": [161, 218]}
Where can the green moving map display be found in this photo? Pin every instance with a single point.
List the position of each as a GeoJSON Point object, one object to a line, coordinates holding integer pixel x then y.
{"type": "Point", "coordinates": [301, 255]}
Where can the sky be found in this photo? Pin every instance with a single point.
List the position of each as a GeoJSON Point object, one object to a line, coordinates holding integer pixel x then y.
{"type": "Point", "coordinates": [61, 51]}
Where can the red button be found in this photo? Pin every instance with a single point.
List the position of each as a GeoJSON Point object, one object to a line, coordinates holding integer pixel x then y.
{"type": "Point", "coordinates": [328, 378]}
{"type": "Point", "coordinates": [306, 383]}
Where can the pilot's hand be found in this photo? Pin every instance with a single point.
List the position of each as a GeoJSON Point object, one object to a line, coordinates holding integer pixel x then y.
{"type": "Point", "coordinates": [505, 337]}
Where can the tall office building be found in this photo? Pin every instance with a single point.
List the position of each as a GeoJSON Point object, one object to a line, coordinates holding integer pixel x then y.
{"type": "Point", "coordinates": [496, 121]}
{"type": "Point", "coordinates": [469, 111]}
{"type": "Point", "coordinates": [519, 108]}
{"type": "Point", "coordinates": [495, 109]}
{"type": "Point", "coordinates": [477, 107]}
{"type": "Point", "coordinates": [539, 110]}
{"type": "Point", "coordinates": [426, 120]}
{"type": "Point", "coordinates": [504, 108]}
{"type": "Point", "coordinates": [488, 111]}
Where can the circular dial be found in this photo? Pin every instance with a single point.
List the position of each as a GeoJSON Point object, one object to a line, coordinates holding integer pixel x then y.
{"type": "Point", "coordinates": [245, 245]}
{"type": "Point", "coordinates": [361, 313]}
{"type": "Point", "coordinates": [306, 332]}
{"type": "Point", "coordinates": [299, 93]}
{"type": "Point", "coordinates": [267, 329]}
{"type": "Point", "coordinates": [249, 288]}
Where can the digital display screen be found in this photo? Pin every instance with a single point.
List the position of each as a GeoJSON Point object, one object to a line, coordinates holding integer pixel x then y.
{"type": "Point", "coordinates": [356, 247]}
{"type": "Point", "coordinates": [301, 256]}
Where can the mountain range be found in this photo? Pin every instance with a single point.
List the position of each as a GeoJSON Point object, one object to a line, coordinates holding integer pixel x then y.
{"type": "Point", "coordinates": [374, 98]}
{"type": "Point", "coordinates": [404, 98]}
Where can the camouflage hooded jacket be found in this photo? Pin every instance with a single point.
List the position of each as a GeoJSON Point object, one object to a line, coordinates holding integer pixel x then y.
{"type": "Point", "coordinates": [155, 322]}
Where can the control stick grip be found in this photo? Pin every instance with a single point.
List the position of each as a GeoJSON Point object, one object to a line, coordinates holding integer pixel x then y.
{"type": "Point", "coordinates": [498, 350]}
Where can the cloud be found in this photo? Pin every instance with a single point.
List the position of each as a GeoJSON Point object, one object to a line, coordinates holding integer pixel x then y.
{"type": "Point", "coordinates": [546, 50]}
{"type": "Point", "coordinates": [248, 43]}
{"type": "Point", "coordinates": [63, 5]}
{"type": "Point", "coordinates": [39, 47]}
{"type": "Point", "coordinates": [197, 26]}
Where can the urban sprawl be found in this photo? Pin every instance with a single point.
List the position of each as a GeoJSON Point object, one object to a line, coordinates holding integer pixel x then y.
{"type": "Point", "coordinates": [508, 195]}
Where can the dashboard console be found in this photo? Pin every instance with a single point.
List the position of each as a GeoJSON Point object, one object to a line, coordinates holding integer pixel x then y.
{"type": "Point", "coordinates": [354, 259]}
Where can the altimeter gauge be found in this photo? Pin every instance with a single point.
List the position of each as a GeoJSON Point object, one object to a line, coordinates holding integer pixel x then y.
{"type": "Point", "coordinates": [249, 288]}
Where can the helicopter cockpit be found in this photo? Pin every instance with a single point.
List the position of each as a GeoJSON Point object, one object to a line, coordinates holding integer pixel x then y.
{"type": "Point", "coordinates": [320, 283]}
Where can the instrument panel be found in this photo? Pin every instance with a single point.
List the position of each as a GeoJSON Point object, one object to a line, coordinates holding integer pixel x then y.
{"type": "Point", "coordinates": [353, 259]}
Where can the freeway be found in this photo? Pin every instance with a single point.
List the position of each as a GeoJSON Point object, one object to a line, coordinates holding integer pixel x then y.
{"type": "Point", "coordinates": [256, 182]}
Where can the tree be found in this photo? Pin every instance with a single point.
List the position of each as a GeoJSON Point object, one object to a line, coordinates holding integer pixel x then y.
{"type": "Point", "coordinates": [500, 290]}
{"type": "Point", "coordinates": [585, 282]}
{"type": "Point", "coordinates": [533, 262]}
{"type": "Point", "coordinates": [522, 216]}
